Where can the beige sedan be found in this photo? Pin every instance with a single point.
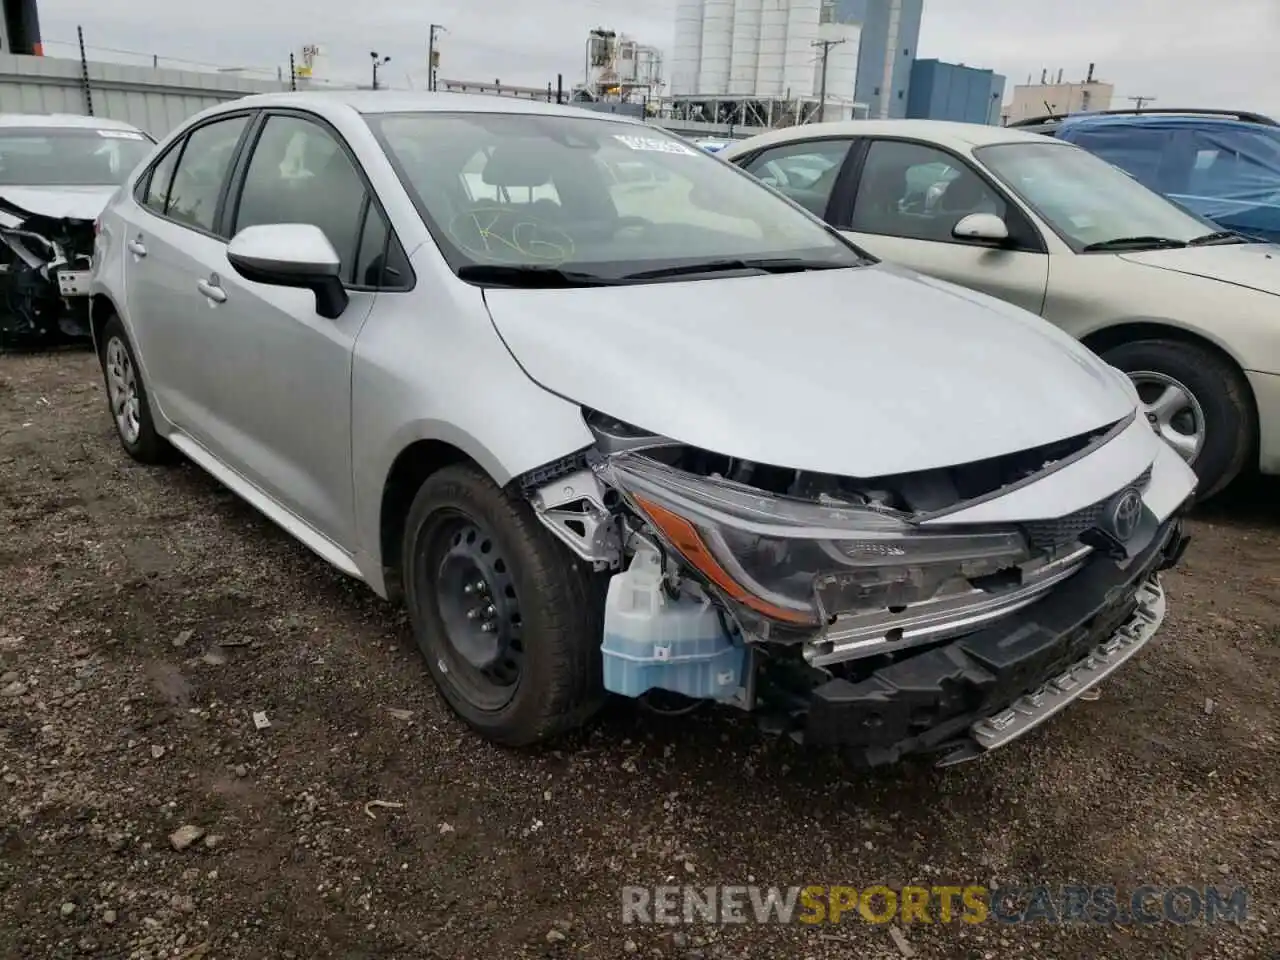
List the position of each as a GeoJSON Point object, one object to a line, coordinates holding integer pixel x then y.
{"type": "Point", "coordinates": [1190, 311]}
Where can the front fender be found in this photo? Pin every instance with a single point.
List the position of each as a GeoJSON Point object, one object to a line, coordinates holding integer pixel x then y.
{"type": "Point", "coordinates": [429, 366]}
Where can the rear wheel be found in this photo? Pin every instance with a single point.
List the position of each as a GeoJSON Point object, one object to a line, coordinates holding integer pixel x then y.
{"type": "Point", "coordinates": [506, 618]}
{"type": "Point", "coordinates": [1197, 401]}
{"type": "Point", "coordinates": [127, 397]}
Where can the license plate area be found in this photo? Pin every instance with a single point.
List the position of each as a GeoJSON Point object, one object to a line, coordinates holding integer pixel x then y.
{"type": "Point", "coordinates": [74, 283]}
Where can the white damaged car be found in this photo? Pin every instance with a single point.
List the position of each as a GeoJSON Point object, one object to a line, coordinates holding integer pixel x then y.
{"type": "Point", "coordinates": [57, 172]}
{"type": "Point", "coordinates": [687, 445]}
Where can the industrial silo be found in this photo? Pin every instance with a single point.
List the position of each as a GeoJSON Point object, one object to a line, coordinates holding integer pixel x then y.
{"type": "Point", "coordinates": [686, 60]}
{"type": "Point", "coordinates": [746, 47]}
{"type": "Point", "coordinates": [772, 56]}
{"type": "Point", "coordinates": [802, 33]}
{"type": "Point", "coordinates": [717, 47]}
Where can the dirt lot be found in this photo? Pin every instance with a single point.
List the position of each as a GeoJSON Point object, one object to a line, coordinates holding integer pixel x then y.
{"type": "Point", "coordinates": [145, 615]}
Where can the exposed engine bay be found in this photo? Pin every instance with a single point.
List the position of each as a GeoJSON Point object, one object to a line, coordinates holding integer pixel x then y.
{"type": "Point", "coordinates": [755, 586]}
{"type": "Point", "coordinates": [45, 265]}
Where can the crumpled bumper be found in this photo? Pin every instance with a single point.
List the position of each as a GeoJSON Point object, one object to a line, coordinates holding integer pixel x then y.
{"type": "Point", "coordinates": [985, 689]}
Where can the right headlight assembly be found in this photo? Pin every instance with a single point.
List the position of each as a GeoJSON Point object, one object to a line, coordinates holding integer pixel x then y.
{"type": "Point", "coordinates": [801, 562]}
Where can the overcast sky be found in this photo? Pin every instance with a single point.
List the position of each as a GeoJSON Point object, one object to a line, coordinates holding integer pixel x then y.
{"type": "Point", "coordinates": [1221, 54]}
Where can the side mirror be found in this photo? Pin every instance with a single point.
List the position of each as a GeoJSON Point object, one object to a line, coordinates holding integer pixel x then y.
{"type": "Point", "coordinates": [981, 226]}
{"type": "Point", "coordinates": [291, 255]}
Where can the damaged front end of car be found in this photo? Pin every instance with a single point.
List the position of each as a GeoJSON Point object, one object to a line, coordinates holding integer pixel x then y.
{"type": "Point", "coordinates": [45, 268]}
{"type": "Point", "coordinates": [945, 611]}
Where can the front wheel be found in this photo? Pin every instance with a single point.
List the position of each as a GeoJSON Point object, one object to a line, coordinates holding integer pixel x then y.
{"type": "Point", "coordinates": [508, 621]}
{"type": "Point", "coordinates": [1195, 400]}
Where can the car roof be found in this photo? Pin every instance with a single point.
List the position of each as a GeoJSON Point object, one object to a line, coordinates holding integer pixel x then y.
{"type": "Point", "coordinates": [398, 101]}
{"type": "Point", "coordinates": [1163, 120]}
{"type": "Point", "coordinates": [944, 132]}
{"type": "Point", "coordinates": [1152, 113]}
{"type": "Point", "coordinates": [64, 120]}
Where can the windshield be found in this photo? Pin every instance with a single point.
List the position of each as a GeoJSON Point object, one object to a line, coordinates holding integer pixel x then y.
{"type": "Point", "coordinates": [1086, 200]}
{"type": "Point", "coordinates": [62, 157]}
{"type": "Point", "coordinates": [591, 197]}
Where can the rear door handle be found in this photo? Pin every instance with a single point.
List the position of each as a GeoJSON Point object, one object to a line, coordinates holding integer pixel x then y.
{"type": "Point", "coordinates": [211, 290]}
{"type": "Point", "coordinates": [136, 248]}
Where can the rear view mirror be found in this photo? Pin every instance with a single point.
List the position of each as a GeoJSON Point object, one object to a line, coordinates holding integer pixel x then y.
{"type": "Point", "coordinates": [291, 255]}
{"type": "Point", "coordinates": [981, 226]}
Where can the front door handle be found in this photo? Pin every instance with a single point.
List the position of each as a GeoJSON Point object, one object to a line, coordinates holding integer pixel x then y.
{"type": "Point", "coordinates": [211, 290]}
{"type": "Point", "coordinates": [136, 248]}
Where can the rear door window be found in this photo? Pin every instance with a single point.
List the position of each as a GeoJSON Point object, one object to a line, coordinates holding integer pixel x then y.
{"type": "Point", "coordinates": [805, 172]}
{"type": "Point", "coordinates": [202, 172]}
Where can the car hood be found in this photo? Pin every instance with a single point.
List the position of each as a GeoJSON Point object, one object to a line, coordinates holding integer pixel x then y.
{"type": "Point", "coordinates": [863, 372]}
{"type": "Point", "coordinates": [60, 203]}
{"type": "Point", "coordinates": [1252, 265]}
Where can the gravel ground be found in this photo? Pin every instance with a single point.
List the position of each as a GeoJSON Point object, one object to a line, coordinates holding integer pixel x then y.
{"type": "Point", "coordinates": [146, 614]}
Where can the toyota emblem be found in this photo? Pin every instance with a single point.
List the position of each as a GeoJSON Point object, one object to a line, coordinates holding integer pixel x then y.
{"type": "Point", "coordinates": [1124, 513]}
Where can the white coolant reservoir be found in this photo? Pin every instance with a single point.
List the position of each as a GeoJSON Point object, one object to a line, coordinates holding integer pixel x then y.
{"type": "Point", "coordinates": [655, 642]}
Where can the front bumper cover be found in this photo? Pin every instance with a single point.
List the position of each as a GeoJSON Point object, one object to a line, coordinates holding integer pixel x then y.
{"type": "Point", "coordinates": [991, 686]}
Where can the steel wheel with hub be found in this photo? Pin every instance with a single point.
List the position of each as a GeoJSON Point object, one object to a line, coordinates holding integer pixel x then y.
{"type": "Point", "coordinates": [480, 610]}
{"type": "Point", "coordinates": [507, 619]}
{"type": "Point", "coordinates": [127, 397]}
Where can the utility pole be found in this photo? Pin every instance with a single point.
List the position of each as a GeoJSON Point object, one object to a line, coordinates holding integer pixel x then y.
{"type": "Point", "coordinates": [373, 54]}
{"type": "Point", "coordinates": [1139, 102]}
{"type": "Point", "coordinates": [432, 56]}
{"type": "Point", "coordinates": [826, 46]}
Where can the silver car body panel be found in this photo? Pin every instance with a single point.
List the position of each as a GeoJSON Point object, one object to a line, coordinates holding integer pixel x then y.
{"type": "Point", "coordinates": [853, 383]}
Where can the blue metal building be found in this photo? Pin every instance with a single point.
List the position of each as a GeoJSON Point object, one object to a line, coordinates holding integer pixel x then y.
{"type": "Point", "coordinates": [952, 91]}
{"type": "Point", "coordinates": [890, 32]}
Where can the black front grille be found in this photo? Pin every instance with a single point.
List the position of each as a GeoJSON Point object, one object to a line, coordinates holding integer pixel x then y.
{"type": "Point", "coordinates": [1051, 534]}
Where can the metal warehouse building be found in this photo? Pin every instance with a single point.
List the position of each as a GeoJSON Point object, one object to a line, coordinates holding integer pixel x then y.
{"type": "Point", "coordinates": [951, 91]}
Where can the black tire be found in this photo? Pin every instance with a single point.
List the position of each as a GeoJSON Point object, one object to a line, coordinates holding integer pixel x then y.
{"type": "Point", "coordinates": [147, 446]}
{"type": "Point", "coordinates": [560, 606]}
{"type": "Point", "coordinates": [1221, 392]}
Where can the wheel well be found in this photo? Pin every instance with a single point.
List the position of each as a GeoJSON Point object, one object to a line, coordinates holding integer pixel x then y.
{"type": "Point", "coordinates": [1103, 340]}
{"type": "Point", "coordinates": [415, 463]}
{"type": "Point", "coordinates": [101, 309]}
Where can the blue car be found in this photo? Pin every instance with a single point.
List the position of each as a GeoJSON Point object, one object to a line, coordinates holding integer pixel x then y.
{"type": "Point", "coordinates": [712, 144]}
{"type": "Point", "coordinates": [1222, 165]}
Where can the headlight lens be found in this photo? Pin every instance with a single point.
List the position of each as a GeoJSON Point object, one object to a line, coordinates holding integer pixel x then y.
{"type": "Point", "coordinates": [802, 562]}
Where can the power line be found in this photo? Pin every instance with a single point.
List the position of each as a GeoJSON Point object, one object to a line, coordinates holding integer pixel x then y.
{"type": "Point", "coordinates": [1139, 102]}
{"type": "Point", "coordinates": [155, 56]}
{"type": "Point", "coordinates": [274, 73]}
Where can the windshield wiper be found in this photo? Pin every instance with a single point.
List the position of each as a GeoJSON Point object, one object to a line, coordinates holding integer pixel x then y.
{"type": "Point", "coordinates": [1219, 236]}
{"type": "Point", "coordinates": [766, 264]}
{"type": "Point", "coordinates": [530, 275]}
{"type": "Point", "coordinates": [1135, 243]}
